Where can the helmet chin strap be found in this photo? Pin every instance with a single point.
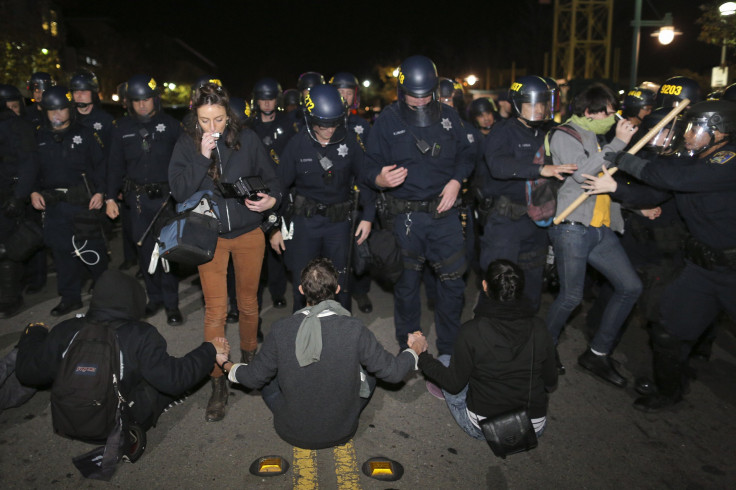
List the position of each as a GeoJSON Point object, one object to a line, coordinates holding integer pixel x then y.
{"type": "Point", "coordinates": [82, 105]}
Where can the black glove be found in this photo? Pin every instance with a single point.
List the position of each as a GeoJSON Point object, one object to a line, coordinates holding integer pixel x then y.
{"type": "Point", "coordinates": [627, 162]}
{"type": "Point", "coordinates": [13, 208]}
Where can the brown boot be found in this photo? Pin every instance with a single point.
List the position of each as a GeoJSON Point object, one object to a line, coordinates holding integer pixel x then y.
{"type": "Point", "coordinates": [218, 400]}
{"type": "Point", "coordinates": [247, 356]}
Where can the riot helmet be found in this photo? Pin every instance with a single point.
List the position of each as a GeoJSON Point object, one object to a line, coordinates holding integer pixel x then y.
{"type": "Point", "coordinates": [142, 88]}
{"type": "Point", "coordinates": [240, 107]}
{"type": "Point", "coordinates": [701, 122]}
{"type": "Point", "coordinates": [291, 99]}
{"type": "Point", "coordinates": [532, 91]}
{"type": "Point", "coordinates": [308, 80]}
{"type": "Point", "coordinates": [325, 108]}
{"type": "Point", "coordinates": [57, 98]}
{"type": "Point", "coordinates": [10, 93]}
{"type": "Point", "coordinates": [635, 100]}
{"type": "Point", "coordinates": [40, 80]}
{"type": "Point", "coordinates": [122, 91]}
{"type": "Point", "coordinates": [555, 101]}
{"type": "Point", "coordinates": [675, 89]}
{"type": "Point", "coordinates": [85, 80]}
{"type": "Point", "coordinates": [266, 89]}
{"type": "Point", "coordinates": [347, 82]}
{"type": "Point", "coordinates": [667, 138]}
{"type": "Point", "coordinates": [418, 79]}
{"type": "Point", "coordinates": [481, 112]}
{"type": "Point", "coordinates": [729, 93]}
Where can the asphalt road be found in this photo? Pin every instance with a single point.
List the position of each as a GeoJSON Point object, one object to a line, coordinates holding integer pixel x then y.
{"type": "Point", "coordinates": [594, 438]}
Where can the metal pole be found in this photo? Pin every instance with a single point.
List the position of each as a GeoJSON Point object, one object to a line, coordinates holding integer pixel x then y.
{"type": "Point", "coordinates": [723, 53]}
{"type": "Point", "coordinates": [635, 44]}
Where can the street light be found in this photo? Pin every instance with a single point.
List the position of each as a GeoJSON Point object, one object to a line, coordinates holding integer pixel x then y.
{"type": "Point", "coordinates": [471, 79]}
{"type": "Point", "coordinates": [366, 83]}
{"type": "Point", "coordinates": [666, 34]}
{"type": "Point", "coordinates": [726, 9]}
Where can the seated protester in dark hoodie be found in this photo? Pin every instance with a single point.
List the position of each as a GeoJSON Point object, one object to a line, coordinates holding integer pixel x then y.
{"type": "Point", "coordinates": [489, 369]}
{"type": "Point", "coordinates": [151, 379]}
{"type": "Point", "coordinates": [312, 364]}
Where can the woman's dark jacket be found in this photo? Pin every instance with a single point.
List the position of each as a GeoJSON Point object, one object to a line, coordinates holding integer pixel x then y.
{"type": "Point", "coordinates": [492, 353]}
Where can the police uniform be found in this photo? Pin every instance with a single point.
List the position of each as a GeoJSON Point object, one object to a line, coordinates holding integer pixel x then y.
{"type": "Point", "coordinates": [705, 192]}
{"type": "Point", "coordinates": [100, 122]}
{"type": "Point", "coordinates": [274, 135]}
{"type": "Point", "coordinates": [17, 149]}
{"type": "Point", "coordinates": [422, 234]}
{"type": "Point", "coordinates": [139, 164]}
{"type": "Point", "coordinates": [322, 204]}
{"type": "Point", "coordinates": [63, 156]}
{"type": "Point", "coordinates": [508, 232]}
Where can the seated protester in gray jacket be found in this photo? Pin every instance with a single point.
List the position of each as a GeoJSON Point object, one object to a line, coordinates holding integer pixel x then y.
{"type": "Point", "coordinates": [150, 379]}
{"type": "Point", "coordinates": [313, 366]}
{"type": "Point", "coordinates": [489, 370]}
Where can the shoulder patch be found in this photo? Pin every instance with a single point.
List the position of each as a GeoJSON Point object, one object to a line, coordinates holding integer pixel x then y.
{"type": "Point", "coordinates": [722, 157]}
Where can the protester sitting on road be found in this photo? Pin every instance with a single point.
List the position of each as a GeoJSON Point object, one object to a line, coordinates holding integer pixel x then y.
{"type": "Point", "coordinates": [316, 368]}
{"type": "Point", "coordinates": [150, 378]}
{"type": "Point", "coordinates": [488, 373]}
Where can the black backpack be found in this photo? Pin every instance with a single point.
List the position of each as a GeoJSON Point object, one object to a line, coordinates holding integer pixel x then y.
{"type": "Point", "coordinates": [85, 395]}
{"type": "Point", "coordinates": [541, 193]}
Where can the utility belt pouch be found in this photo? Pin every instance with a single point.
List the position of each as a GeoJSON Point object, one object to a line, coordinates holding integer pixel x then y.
{"type": "Point", "coordinates": [154, 191]}
{"type": "Point", "coordinates": [709, 258]}
{"type": "Point", "coordinates": [77, 195]}
{"type": "Point", "coordinates": [503, 206]}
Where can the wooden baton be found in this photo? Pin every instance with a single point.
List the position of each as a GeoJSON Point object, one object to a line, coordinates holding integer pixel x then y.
{"type": "Point", "coordinates": [632, 151]}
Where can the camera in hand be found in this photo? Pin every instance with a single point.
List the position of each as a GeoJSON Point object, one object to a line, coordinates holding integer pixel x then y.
{"type": "Point", "coordinates": [245, 188]}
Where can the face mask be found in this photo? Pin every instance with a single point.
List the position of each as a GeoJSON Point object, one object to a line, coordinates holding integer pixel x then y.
{"type": "Point", "coordinates": [602, 126]}
{"type": "Point", "coordinates": [597, 126]}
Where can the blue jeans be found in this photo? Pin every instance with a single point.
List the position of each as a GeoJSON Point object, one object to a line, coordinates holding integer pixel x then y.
{"type": "Point", "coordinates": [459, 408]}
{"type": "Point", "coordinates": [576, 246]}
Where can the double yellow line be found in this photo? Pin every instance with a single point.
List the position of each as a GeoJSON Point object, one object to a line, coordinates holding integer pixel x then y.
{"type": "Point", "coordinates": [304, 469]}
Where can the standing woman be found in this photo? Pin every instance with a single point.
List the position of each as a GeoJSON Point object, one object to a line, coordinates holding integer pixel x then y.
{"type": "Point", "coordinates": [216, 151]}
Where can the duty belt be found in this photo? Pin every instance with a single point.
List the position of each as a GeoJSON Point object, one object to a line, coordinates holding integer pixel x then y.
{"type": "Point", "coordinates": [152, 190]}
{"type": "Point", "coordinates": [504, 206]}
{"type": "Point", "coordinates": [72, 195]}
{"type": "Point", "coordinates": [335, 212]}
{"type": "Point", "coordinates": [707, 257]}
{"type": "Point", "coordinates": [396, 206]}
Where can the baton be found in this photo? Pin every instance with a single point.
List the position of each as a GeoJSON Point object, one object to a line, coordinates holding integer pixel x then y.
{"type": "Point", "coordinates": [354, 219]}
{"type": "Point", "coordinates": [633, 150]}
{"type": "Point", "coordinates": [155, 217]}
{"type": "Point", "coordinates": [102, 229]}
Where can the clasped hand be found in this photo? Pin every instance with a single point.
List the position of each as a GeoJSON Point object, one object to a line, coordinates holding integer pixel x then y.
{"type": "Point", "coordinates": [417, 342]}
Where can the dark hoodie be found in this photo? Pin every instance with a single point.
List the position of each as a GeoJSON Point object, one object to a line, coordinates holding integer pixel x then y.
{"type": "Point", "coordinates": [119, 300]}
{"type": "Point", "coordinates": [492, 354]}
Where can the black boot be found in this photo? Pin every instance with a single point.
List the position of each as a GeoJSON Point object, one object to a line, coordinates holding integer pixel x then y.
{"type": "Point", "coordinates": [668, 373]}
{"type": "Point", "coordinates": [233, 315]}
{"type": "Point", "coordinates": [218, 400]}
{"type": "Point", "coordinates": [11, 300]}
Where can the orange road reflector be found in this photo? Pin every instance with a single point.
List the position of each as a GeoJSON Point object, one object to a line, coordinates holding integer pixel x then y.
{"type": "Point", "coordinates": [269, 466]}
{"type": "Point", "coordinates": [383, 469]}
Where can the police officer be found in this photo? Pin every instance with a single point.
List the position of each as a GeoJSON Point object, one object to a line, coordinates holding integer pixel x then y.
{"type": "Point", "coordinates": [509, 233]}
{"type": "Point", "coordinates": [323, 163]}
{"type": "Point", "coordinates": [85, 92]}
{"type": "Point", "coordinates": [452, 94]}
{"type": "Point", "coordinates": [482, 113]}
{"type": "Point", "coordinates": [17, 148]}
{"type": "Point", "coordinates": [638, 103]}
{"type": "Point", "coordinates": [38, 83]}
{"type": "Point", "coordinates": [705, 190]}
{"type": "Point", "coordinates": [419, 154]}
{"type": "Point", "coordinates": [140, 151]}
{"type": "Point", "coordinates": [306, 81]}
{"type": "Point", "coordinates": [675, 89]}
{"type": "Point", "coordinates": [347, 84]}
{"type": "Point", "coordinates": [67, 182]}
{"type": "Point", "coordinates": [271, 125]}
{"type": "Point", "coordinates": [291, 99]}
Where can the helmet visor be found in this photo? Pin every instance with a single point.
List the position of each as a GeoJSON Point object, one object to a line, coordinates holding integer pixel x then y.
{"type": "Point", "coordinates": [697, 136]}
{"type": "Point", "coordinates": [534, 106]}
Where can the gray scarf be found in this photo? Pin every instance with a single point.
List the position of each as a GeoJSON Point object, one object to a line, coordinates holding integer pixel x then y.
{"type": "Point", "coordinates": [309, 335]}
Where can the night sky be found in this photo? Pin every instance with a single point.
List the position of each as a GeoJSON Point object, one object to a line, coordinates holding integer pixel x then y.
{"type": "Point", "coordinates": [252, 39]}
